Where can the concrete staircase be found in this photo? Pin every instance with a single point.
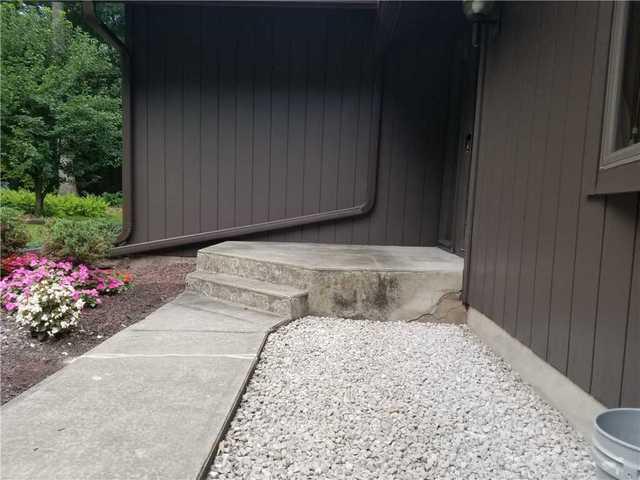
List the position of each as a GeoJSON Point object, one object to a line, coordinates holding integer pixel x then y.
{"type": "Point", "coordinates": [292, 280]}
{"type": "Point", "coordinates": [245, 288]}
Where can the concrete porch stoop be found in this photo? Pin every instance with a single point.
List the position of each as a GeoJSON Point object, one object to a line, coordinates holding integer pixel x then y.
{"type": "Point", "coordinates": [350, 281]}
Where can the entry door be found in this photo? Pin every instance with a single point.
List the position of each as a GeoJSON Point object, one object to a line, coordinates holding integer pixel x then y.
{"type": "Point", "coordinates": [462, 99]}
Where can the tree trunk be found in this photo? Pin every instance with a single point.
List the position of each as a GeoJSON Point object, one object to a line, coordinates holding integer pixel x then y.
{"type": "Point", "coordinates": [39, 207]}
{"type": "Point", "coordinates": [67, 180]}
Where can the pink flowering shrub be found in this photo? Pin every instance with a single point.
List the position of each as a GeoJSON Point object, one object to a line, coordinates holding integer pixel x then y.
{"type": "Point", "coordinates": [31, 275]}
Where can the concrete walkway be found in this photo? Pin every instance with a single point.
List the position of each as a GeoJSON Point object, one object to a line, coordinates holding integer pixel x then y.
{"type": "Point", "coordinates": [148, 403]}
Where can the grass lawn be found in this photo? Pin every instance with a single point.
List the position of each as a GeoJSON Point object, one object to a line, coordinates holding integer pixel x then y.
{"type": "Point", "coordinates": [36, 234]}
{"type": "Point", "coordinates": [115, 213]}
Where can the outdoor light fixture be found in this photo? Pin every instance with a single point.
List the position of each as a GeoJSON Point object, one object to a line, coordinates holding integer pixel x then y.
{"type": "Point", "coordinates": [480, 12]}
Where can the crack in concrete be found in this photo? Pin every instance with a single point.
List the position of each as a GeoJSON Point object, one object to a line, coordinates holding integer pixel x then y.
{"type": "Point", "coordinates": [223, 312]}
{"type": "Point", "coordinates": [107, 356]}
{"type": "Point", "coordinates": [194, 330]}
{"type": "Point", "coordinates": [432, 313]}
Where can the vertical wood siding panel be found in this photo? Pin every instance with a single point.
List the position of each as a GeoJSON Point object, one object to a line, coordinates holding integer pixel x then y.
{"type": "Point", "coordinates": [227, 168]}
{"type": "Point", "coordinates": [245, 126]}
{"type": "Point", "coordinates": [260, 185]}
{"type": "Point", "coordinates": [210, 128]}
{"type": "Point", "coordinates": [434, 113]}
{"type": "Point", "coordinates": [378, 223]}
{"type": "Point", "coordinates": [476, 268]}
{"type": "Point", "coordinates": [447, 202]}
{"type": "Point", "coordinates": [414, 187]}
{"type": "Point", "coordinates": [570, 182]}
{"type": "Point", "coordinates": [192, 127]}
{"type": "Point", "coordinates": [551, 189]}
{"type": "Point", "coordinates": [537, 161]}
{"type": "Point", "coordinates": [352, 45]}
{"type": "Point", "coordinates": [403, 135]}
{"type": "Point", "coordinates": [613, 297]}
{"type": "Point", "coordinates": [366, 99]}
{"type": "Point", "coordinates": [512, 95]}
{"type": "Point", "coordinates": [523, 164]}
{"type": "Point", "coordinates": [141, 172]}
{"type": "Point", "coordinates": [279, 118]}
{"type": "Point", "coordinates": [314, 141]}
{"type": "Point", "coordinates": [630, 396]}
{"type": "Point", "coordinates": [174, 126]}
{"type": "Point", "coordinates": [479, 220]}
{"type": "Point", "coordinates": [494, 174]}
{"type": "Point", "coordinates": [297, 125]}
{"type": "Point", "coordinates": [590, 220]}
{"type": "Point", "coordinates": [156, 112]}
{"type": "Point", "coordinates": [332, 122]}
{"type": "Point", "coordinates": [420, 208]}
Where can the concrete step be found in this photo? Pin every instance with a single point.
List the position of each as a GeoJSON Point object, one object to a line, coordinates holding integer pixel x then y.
{"type": "Point", "coordinates": [272, 271]}
{"type": "Point", "coordinates": [282, 300]}
{"type": "Point", "coordinates": [191, 311]}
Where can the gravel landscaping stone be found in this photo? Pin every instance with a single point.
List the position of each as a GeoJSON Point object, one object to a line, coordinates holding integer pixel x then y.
{"type": "Point", "coordinates": [338, 399]}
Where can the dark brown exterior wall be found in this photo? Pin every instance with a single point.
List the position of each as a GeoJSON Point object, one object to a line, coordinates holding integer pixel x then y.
{"type": "Point", "coordinates": [243, 115]}
{"type": "Point", "coordinates": [556, 268]}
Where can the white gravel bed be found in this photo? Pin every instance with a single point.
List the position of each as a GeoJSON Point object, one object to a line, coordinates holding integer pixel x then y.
{"type": "Point", "coordinates": [335, 398]}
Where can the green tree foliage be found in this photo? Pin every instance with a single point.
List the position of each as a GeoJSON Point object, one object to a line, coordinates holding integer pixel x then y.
{"type": "Point", "coordinates": [60, 97]}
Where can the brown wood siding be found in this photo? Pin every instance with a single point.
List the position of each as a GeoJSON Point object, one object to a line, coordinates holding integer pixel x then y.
{"type": "Point", "coordinates": [412, 137]}
{"type": "Point", "coordinates": [555, 267]}
{"type": "Point", "coordinates": [244, 115]}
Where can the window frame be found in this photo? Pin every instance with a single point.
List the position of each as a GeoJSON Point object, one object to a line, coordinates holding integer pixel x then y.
{"type": "Point", "coordinates": [619, 169]}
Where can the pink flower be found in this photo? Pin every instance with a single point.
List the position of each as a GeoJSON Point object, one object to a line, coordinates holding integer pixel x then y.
{"type": "Point", "coordinates": [26, 271]}
{"type": "Point", "coordinates": [66, 266]}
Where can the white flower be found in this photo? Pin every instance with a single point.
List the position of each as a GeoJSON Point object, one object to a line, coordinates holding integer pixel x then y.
{"type": "Point", "coordinates": [48, 307]}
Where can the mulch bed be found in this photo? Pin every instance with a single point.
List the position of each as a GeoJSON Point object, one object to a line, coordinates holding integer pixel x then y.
{"type": "Point", "coordinates": [26, 361]}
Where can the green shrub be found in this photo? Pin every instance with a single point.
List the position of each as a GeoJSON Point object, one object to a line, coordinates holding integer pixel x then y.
{"type": "Point", "coordinates": [66, 206]}
{"type": "Point", "coordinates": [61, 206]}
{"type": "Point", "coordinates": [83, 240]}
{"type": "Point", "coordinates": [113, 199]}
{"type": "Point", "coordinates": [21, 200]}
{"type": "Point", "coordinates": [12, 230]}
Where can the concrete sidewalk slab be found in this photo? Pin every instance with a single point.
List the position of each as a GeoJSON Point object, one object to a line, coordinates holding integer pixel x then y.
{"type": "Point", "coordinates": [148, 403]}
{"type": "Point", "coordinates": [150, 342]}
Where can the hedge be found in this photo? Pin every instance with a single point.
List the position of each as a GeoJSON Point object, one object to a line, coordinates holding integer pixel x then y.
{"type": "Point", "coordinates": [83, 240]}
{"type": "Point", "coordinates": [13, 233]}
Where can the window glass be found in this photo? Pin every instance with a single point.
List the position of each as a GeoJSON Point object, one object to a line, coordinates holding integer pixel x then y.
{"type": "Point", "coordinates": [628, 124]}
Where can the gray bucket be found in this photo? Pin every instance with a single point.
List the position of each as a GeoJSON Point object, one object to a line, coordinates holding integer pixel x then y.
{"type": "Point", "coordinates": [616, 444]}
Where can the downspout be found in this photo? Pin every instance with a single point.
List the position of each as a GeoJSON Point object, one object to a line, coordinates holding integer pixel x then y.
{"type": "Point", "coordinates": [475, 151]}
{"type": "Point", "coordinates": [89, 15]}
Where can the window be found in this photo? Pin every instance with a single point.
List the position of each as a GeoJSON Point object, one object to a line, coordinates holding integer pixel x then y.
{"type": "Point", "coordinates": [620, 160]}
